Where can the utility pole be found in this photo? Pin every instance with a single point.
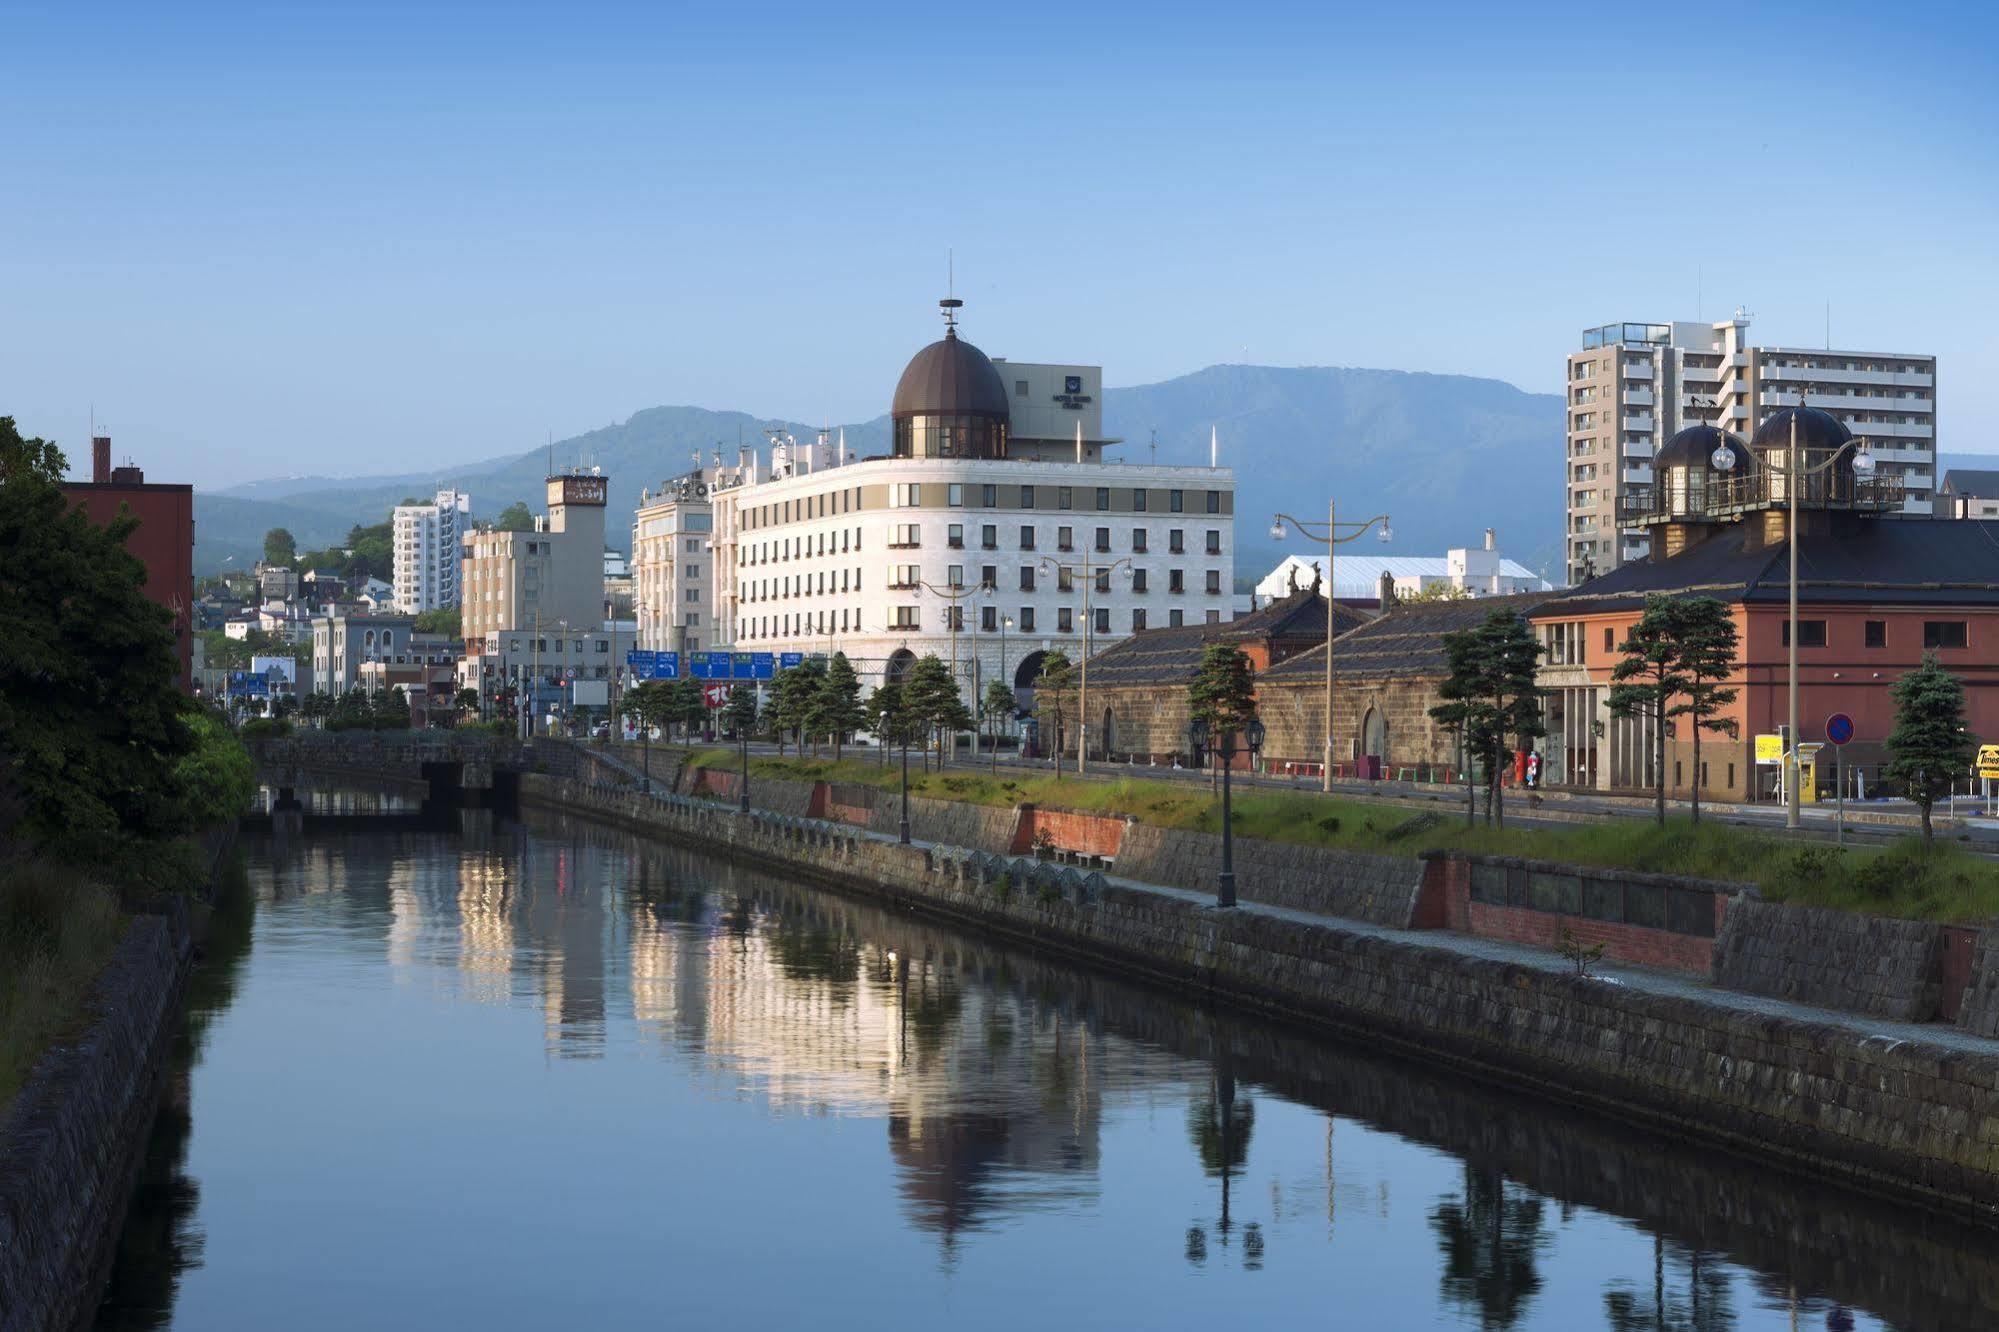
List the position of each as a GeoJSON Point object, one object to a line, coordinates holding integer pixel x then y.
{"type": "Point", "coordinates": [1088, 570]}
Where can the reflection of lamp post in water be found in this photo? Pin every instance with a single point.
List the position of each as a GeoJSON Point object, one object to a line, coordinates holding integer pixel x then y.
{"type": "Point", "coordinates": [1233, 1134]}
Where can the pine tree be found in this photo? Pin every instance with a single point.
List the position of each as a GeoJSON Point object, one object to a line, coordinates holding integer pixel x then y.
{"type": "Point", "coordinates": [1929, 747]}
{"type": "Point", "coordinates": [688, 706]}
{"type": "Point", "coordinates": [741, 711]}
{"type": "Point", "coordinates": [999, 705]}
{"type": "Point", "coordinates": [888, 713]}
{"type": "Point", "coordinates": [1708, 645]}
{"type": "Point", "coordinates": [1052, 687]}
{"type": "Point", "coordinates": [1648, 678]}
{"type": "Point", "coordinates": [934, 705]}
{"type": "Point", "coordinates": [1490, 696]}
{"type": "Point", "coordinates": [840, 693]}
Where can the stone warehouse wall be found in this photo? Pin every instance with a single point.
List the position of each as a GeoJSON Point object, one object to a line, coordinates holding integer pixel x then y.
{"type": "Point", "coordinates": [71, 1141]}
{"type": "Point", "coordinates": [1904, 1117]}
{"type": "Point", "coordinates": [1382, 890]}
{"type": "Point", "coordinates": [1836, 959]}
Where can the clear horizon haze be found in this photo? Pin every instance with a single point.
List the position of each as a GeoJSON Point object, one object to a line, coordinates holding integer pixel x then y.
{"type": "Point", "coordinates": [353, 239]}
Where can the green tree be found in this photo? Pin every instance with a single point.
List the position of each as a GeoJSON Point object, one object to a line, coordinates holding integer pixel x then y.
{"type": "Point", "coordinates": [91, 711]}
{"type": "Point", "coordinates": [279, 547]}
{"type": "Point", "coordinates": [1053, 684]}
{"type": "Point", "coordinates": [352, 713]}
{"type": "Point", "coordinates": [216, 773]}
{"type": "Point", "coordinates": [1708, 644]}
{"type": "Point", "coordinates": [999, 705]}
{"type": "Point", "coordinates": [515, 518]}
{"type": "Point", "coordinates": [1929, 746]}
{"type": "Point", "coordinates": [647, 704]}
{"type": "Point", "coordinates": [1490, 696]}
{"type": "Point", "coordinates": [689, 707]}
{"type": "Point", "coordinates": [840, 701]}
{"type": "Point", "coordinates": [317, 707]}
{"type": "Point", "coordinates": [466, 702]}
{"type": "Point", "coordinates": [1649, 676]}
{"type": "Point", "coordinates": [935, 709]}
{"type": "Point", "coordinates": [1223, 691]}
{"type": "Point", "coordinates": [373, 551]}
{"type": "Point", "coordinates": [390, 711]}
{"type": "Point", "coordinates": [888, 712]}
{"type": "Point", "coordinates": [741, 712]}
{"type": "Point", "coordinates": [790, 707]}
{"type": "Point", "coordinates": [1492, 1242]}
{"type": "Point", "coordinates": [445, 620]}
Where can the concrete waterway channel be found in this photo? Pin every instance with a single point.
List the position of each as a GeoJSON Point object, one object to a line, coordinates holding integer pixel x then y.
{"type": "Point", "coordinates": [547, 1074]}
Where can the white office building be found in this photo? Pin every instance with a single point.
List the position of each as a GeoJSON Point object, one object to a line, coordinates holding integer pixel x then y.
{"type": "Point", "coordinates": [673, 564]}
{"type": "Point", "coordinates": [1633, 386]}
{"type": "Point", "coordinates": [426, 549]}
{"type": "Point", "coordinates": [993, 532]}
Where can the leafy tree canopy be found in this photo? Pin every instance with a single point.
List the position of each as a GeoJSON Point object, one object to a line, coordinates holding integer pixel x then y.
{"type": "Point", "coordinates": [279, 547]}
{"type": "Point", "coordinates": [515, 518]}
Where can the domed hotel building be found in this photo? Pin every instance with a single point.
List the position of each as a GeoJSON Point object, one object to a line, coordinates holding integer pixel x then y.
{"type": "Point", "coordinates": [993, 531]}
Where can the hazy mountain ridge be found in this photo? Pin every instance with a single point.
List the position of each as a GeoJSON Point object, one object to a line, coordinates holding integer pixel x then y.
{"type": "Point", "coordinates": [1444, 455]}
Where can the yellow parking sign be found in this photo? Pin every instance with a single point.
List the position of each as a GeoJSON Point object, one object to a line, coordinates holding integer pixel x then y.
{"type": "Point", "coordinates": [1769, 749]}
{"type": "Point", "coordinates": [1988, 760]}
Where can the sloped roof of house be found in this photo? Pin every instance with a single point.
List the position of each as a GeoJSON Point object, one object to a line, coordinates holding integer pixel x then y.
{"type": "Point", "coordinates": [1971, 482]}
{"type": "Point", "coordinates": [1861, 561]}
{"type": "Point", "coordinates": [1407, 640]}
{"type": "Point", "coordinates": [1173, 655]}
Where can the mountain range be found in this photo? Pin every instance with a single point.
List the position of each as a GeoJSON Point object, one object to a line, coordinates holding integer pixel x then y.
{"type": "Point", "coordinates": [1445, 456]}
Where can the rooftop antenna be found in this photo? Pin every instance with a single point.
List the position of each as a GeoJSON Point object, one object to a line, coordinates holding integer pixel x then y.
{"type": "Point", "coordinates": [551, 453]}
{"type": "Point", "coordinates": [1152, 444]}
{"type": "Point", "coordinates": [1828, 325]}
{"type": "Point", "coordinates": [1214, 447]}
{"type": "Point", "coordinates": [951, 304]}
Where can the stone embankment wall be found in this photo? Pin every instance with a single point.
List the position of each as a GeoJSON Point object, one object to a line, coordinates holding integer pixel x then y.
{"type": "Point", "coordinates": [70, 1144]}
{"type": "Point", "coordinates": [1382, 890]}
{"type": "Point", "coordinates": [1903, 1117]}
{"type": "Point", "coordinates": [1836, 959]}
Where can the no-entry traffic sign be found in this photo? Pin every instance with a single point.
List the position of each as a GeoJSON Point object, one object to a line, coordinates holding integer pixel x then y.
{"type": "Point", "coordinates": [1839, 728]}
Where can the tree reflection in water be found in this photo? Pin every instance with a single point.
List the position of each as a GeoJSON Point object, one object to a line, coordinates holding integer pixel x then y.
{"type": "Point", "coordinates": [1492, 1243]}
{"type": "Point", "coordinates": [1703, 1303]}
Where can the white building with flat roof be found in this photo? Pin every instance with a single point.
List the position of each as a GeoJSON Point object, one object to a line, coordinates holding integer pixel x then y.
{"type": "Point", "coordinates": [1479, 571]}
{"type": "Point", "coordinates": [426, 538]}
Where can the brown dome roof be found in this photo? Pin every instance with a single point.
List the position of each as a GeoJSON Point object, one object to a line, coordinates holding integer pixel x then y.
{"type": "Point", "coordinates": [950, 377]}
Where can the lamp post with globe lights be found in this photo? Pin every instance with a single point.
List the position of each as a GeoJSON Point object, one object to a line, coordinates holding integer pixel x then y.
{"type": "Point", "coordinates": [1252, 735]}
{"type": "Point", "coordinates": [954, 625]}
{"type": "Point", "coordinates": [1089, 571]}
{"type": "Point", "coordinates": [1332, 534]}
{"type": "Point", "coordinates": [1793, 472]}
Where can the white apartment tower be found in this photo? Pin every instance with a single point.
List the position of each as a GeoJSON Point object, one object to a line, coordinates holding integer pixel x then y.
{"type": "Point", "coordinates": [673, 564]}
{"type": "Point", "coordinates": [992, 533]}
{"type": "Point", "coordinates": [1633, 386]}
{"type": "Point", "coordinates": [426, 548]}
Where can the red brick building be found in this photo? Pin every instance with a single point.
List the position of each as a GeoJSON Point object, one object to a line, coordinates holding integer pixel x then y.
{"type": "Point", "coordinates": [1875, 592]}
{"type": "Point", "coordinates": [163, 540]}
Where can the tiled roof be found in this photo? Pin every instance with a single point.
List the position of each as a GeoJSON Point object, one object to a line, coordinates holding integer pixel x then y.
{"type": "Point", "coordinates": [1861, 561]}
{"type": "Point", "coordinates": [1407, 640]}
{"type": "Point", "coordinates": [1970, 482]}
{"type": "Point", "coordinates": [1172, 656]}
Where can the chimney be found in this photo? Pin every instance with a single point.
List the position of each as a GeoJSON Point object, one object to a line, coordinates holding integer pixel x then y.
{"type": "Point", "coordinates": [100, 459]}
{"type": "Point", "coordinates": [1491, 539]}
{"type": "Point", "coordinates": [1387, 590]}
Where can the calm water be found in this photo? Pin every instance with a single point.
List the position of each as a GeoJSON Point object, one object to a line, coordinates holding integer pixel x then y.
{"type": "Point", "coordinates": [554, 1078]}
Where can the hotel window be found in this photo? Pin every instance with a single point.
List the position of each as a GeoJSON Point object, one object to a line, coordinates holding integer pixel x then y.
{"type": "Point", "coordinates": [1138, 580]}
{"type": "Point", "coordinates": [989, 537]}
{"type": "Point", "coordinates": [1019, 388]}
{"type": "Point", "coordinates": [1176, 619]}
{"type": "Point", "coordinates": [1104, 539]}
{"type": "Point", "coordinates": [1026, 537]}
{"type": "Point", "coordinates": [1945, 633]}
{"type": "Point", "coordinates": [1027, 497]}
{"type": "Point", "coordinates": [905, 618]}
{"type": "Point", "coordinates": [1062, 497]}
{"type": "Point", "coordinates": [988, 618]}
{"type": "Point", "coordinates": [1138, 498]}
{"type": "Point", "coordinates": [1027, 619]}
{"type": "Point", "coordinates": [1877, 633]}
{"type": "Point", "coordinates": [1027, 578]}
{"type": "Point", "coordinates": [1214, 582]}
{"type": "Point", "coordinates": [1103, 498]}
{"type": "Point", "coordinates": [1214, 501]}
{"type": "Point", "coordinates": [1811, 633]}
{"type": "Point", "coordinates": [1176, 500]}
{"type": "Point", "coordinates": [1102, 616]}
{"type": "Point", "coordinates": [1138, 541]}
{"type": "Point", "coordinates": [1064, 582]}
{"type": "Point", "coordinates": [1214, 541]}
{"type": "Point", "coordinates": [954, 495]}
{"type": "Point", "coordinates": [905, 495]}
{"type": "Point", "coordinates": [955, 575]}
{"type": "Point", "coordinates": [954, 536]}
{"type": "Point", "coordinates": [1103, 580]}
{"type": "Point", "coordinates": [1065, 538]}
{"type": "Point", "coordinates": [1065, 620]}
{"type": "Point", "coordinates": [954, 619]}
{"type": "Point", "coordinates": [903, 575]}
{"type": "Point", "coordinates": [989, 497]}
{"type": "Point", "coordinates": [907, 535]}
{"type": "Point", "coordinates": [1214, 617]}
{"type": "Point", "coordinates": [1176, 580]}
{"type": "Point", "coordinates": [989, 575]}
{"type": "Point", "coordinates": [1176, 542]}
{"type": "Point", "coordinates": [1138, 621]}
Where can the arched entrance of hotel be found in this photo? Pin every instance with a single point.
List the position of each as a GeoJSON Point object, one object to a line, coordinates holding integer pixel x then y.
{"type": "Point", "coordinates": [900, 663]}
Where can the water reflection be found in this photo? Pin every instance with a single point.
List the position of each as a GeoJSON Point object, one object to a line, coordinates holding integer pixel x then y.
{"type": "Point", "coordinates": [639, 1051]}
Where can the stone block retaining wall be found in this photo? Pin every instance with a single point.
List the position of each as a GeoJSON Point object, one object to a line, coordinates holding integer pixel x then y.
{"type": "Point", "coordinates": [1904, 1117]}
{"type": "Point", "coordinates": [1837, 959]}
{"type": "Point", "coordinates": [1380, 889]}
{"type": "Point", "coordinates": [71, 1141]}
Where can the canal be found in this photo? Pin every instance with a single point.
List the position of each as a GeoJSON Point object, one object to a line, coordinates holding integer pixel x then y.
{"type": "Point", "coordinates": [549, 1075]}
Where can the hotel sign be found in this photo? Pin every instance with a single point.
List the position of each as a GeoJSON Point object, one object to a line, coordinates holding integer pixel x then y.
{"type": "Point", "coordinates": [1072, 395]}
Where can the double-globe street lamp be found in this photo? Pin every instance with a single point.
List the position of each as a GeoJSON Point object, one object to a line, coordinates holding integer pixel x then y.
{"type": "Point", "coordinates": [1089, 571]}
{"type": "Point", "coordinates": [1252, 735]}
{"type": "Point", "coordinates": [1332, 534]}
{"type": "Point", "coordinates": [1794, 471]}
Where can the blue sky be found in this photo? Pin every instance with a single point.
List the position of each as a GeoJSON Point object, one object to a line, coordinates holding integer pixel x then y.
{"type": "Point", "coordinates": [357, 238]}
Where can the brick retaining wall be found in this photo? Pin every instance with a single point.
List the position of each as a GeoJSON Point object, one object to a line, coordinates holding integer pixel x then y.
{"type": "Point", "coordinates": [1902, 1117]}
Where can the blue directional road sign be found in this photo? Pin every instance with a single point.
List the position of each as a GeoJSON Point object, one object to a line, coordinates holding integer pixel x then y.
{"type": "Point", "coordinates": [666, 666]}
{"type": "Point", "coordinates": [787, 660]}
{"type": "Point", "coordinates": [641, 662]}
{"type": "Point", "coordinates": [1839, 728]}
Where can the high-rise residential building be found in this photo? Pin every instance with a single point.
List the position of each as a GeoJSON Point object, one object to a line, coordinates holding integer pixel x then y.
{"type": "Point", "coordinates": [993, 532]}
{"type": "Point", "coordinates": [427, 552]}
{"type": "Point", "coordinates": [1632, 386]}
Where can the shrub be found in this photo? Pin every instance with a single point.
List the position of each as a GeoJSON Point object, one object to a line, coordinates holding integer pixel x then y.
{"type": "Point", "coordinates": [265, 728]}
{"type": "Point", "coordinates": [1049, 892]}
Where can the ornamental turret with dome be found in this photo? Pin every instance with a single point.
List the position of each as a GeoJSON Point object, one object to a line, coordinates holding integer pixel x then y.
{"type": "Point", "coordinates": [950, 401]}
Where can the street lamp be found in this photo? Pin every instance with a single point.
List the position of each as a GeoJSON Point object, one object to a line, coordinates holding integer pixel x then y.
{"type": "Point", "coordinates": [1336, 534]}
{"type": "Point", "coordinates": [743, 779]}
{"type": "Point", "coordinates": [1252, 735]}
{"type": "Point", "coordinates": [1793, 471]}
{"type": "Point", "coordinates": [902, 733]}
{"type": "Point", "coordinates": [1088, 571]}
{"type": "Point", "coordinates": [1006, 623]}
{"type": "Point", "coordinates": [953, 626]}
